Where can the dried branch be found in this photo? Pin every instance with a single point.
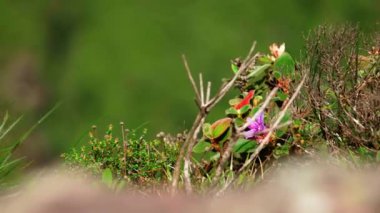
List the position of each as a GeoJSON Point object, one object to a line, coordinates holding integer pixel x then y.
{"type": "Point", "coordinates": [198, 97]}
{"type": "Point", "coordinates": [205, 105]}
{"type": "Point", "coordinates": [177, 168]}
{"type": "Point", "coordinates": [201, 89]}
{"type": "Point", "coordinates": [208, 91]}
{"type": "Point", "coordinates": [124, 132]}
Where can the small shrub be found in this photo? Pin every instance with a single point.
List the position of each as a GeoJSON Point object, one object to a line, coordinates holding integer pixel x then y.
{"type": "Point", "coordinates": [129, 157]}
{"type": "Point", "coordinates": [344, 84]}
{"type": "Point", "coordinates": [244, 127]}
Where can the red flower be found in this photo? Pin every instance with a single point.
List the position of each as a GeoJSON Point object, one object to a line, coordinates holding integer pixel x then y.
{"type": "Point", "coordinates": [245, 101]}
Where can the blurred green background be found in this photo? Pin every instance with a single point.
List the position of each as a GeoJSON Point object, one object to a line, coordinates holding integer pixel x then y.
{"type": "Point", "coordinates": [112, 61]}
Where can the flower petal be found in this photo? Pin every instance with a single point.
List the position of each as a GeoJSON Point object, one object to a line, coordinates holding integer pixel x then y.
{"type": "Point", "coordinates": [274, 49]}
{"type": "Point", "coordinates": [249, 134]}
{"type": "Point", "coordinates": [246, 100]}
{"type": "Point", "coordinates": [281, 50]}
{"type": "Point", "coordinates": [257, 125]}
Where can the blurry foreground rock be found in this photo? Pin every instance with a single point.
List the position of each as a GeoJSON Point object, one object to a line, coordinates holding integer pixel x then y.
{"type": "Point", "coordinates": [306, 189]}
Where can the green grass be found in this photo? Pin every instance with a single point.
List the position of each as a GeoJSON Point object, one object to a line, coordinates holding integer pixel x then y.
{"type": "Point", "coordinates": [9, 164]}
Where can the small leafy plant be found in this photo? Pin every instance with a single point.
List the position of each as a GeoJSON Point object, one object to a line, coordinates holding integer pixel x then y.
{"type": "Point", "coordinates": [255, 129]}
{"type": "Point", "coordinates": [129, 157]}
{"type": "Point", "coordinates": [342, 91]}
{"type": "Point", "coordinates": [243, 117]}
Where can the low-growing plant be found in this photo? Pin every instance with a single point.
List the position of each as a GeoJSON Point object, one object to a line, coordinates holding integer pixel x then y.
{"type": "Point", "coordinates": [269, 72]}
{"type": "Point", "coordinates": [262, 125]}
{"type": "Point", "coordinates": [129, 157]}
{"type": "Point", "coordinates": [343, 88]}
{"type": "Point", "coordinates": [255, 130]}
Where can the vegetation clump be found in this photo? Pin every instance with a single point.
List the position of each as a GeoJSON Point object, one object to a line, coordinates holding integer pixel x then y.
{"type": "Point", "coordinates": [128, 157]}
{"type": "Point", "coordinates": [326, 103]}
{"type": "Point", "coordinates": [342, 92]}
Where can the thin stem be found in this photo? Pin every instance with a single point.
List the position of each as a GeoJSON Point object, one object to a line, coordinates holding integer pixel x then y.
{"type": "Point", "coordinates": [191, 144]}
{"type": "Point", "coordinates": [198, 97]}
{"type": "Point", "coordinates": [177, 168]}
{"type": "Point", "coordinates": [208, 92]}
{"type": "Point", "coordinates": [227, 87]}
{"type": "Point", "coordinates": [201, 89]}
{"type": "Point", "coordinates": [125, 147]}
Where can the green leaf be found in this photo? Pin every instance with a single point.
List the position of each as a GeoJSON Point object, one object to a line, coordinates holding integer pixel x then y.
{"type": "Point", "coordinates": [224, 137]}
{"type": "Point", "coordinates": [244, 109]}
{"type": "Point", "coordinates": [220, 126]}
{"type": "Point", "coordinates": [265, 59]}
{"type": "Point", "coordinates": [297, 122]}
{"type": "Point", "coordinates": [239, 122]}
{"type": "Point", "coordinates": [7, 130]}
{"type": "Point", "coordinates": [254, 111]}
{"type": "Point", "coordinates": [207, 131]}
{"type": "Point", "coordinates": [281, 96]}
{"type": "Point", "coordinates": [234, 101]}
{"type": "Point", "coordinates": [259, 72]}
{"type": "Point", "coordinates": [277, 74]}
{"type": "Point", "coordinates": [280, 133]}
{"type": "Point", "coordinates": [287, 117]}
{"type": "Point", "coordinates": [243, 145]}
{"type": "Point", "coordinates": [211, 156]}
{"type": "Point", "coordinates": [231, 111]}
{"type": "Point", "coordinates": [107, 177]}
{"type": "Point", "coordinates": [201, 146]}
{"type": "Point", "coordinates": [234, 68]}
{"type": "Point", "coordinates": [281, 151]}
{"type": "Point", "coordinates": [285, 65]}
{"type": "Point", "coordinates": [4, 122]}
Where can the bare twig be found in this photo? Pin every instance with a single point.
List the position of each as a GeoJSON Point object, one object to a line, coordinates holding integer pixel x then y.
{"type": "Point", "coordinates": [201, 89]}
{"type": "Point", "coordinates": [191, 143]}
{"type": "Point", "coordinates": [227, 87]}
{"type": "Point", "coordinates": [205, 105]}
{"type": "Point", "coordinates": [261, 168]}
{"type": "Point", "coordinates": [125, 147]}
{"type": "Point", "coordinates": [208, 92]}
{"type": "Point", "coordinates": [198, 97]}
{"type": "Point", "coordinates": [177, 168]}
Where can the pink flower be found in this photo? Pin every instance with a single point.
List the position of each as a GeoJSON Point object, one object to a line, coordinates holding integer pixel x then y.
{"type": "Point", "coordinates": [255, 127]}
